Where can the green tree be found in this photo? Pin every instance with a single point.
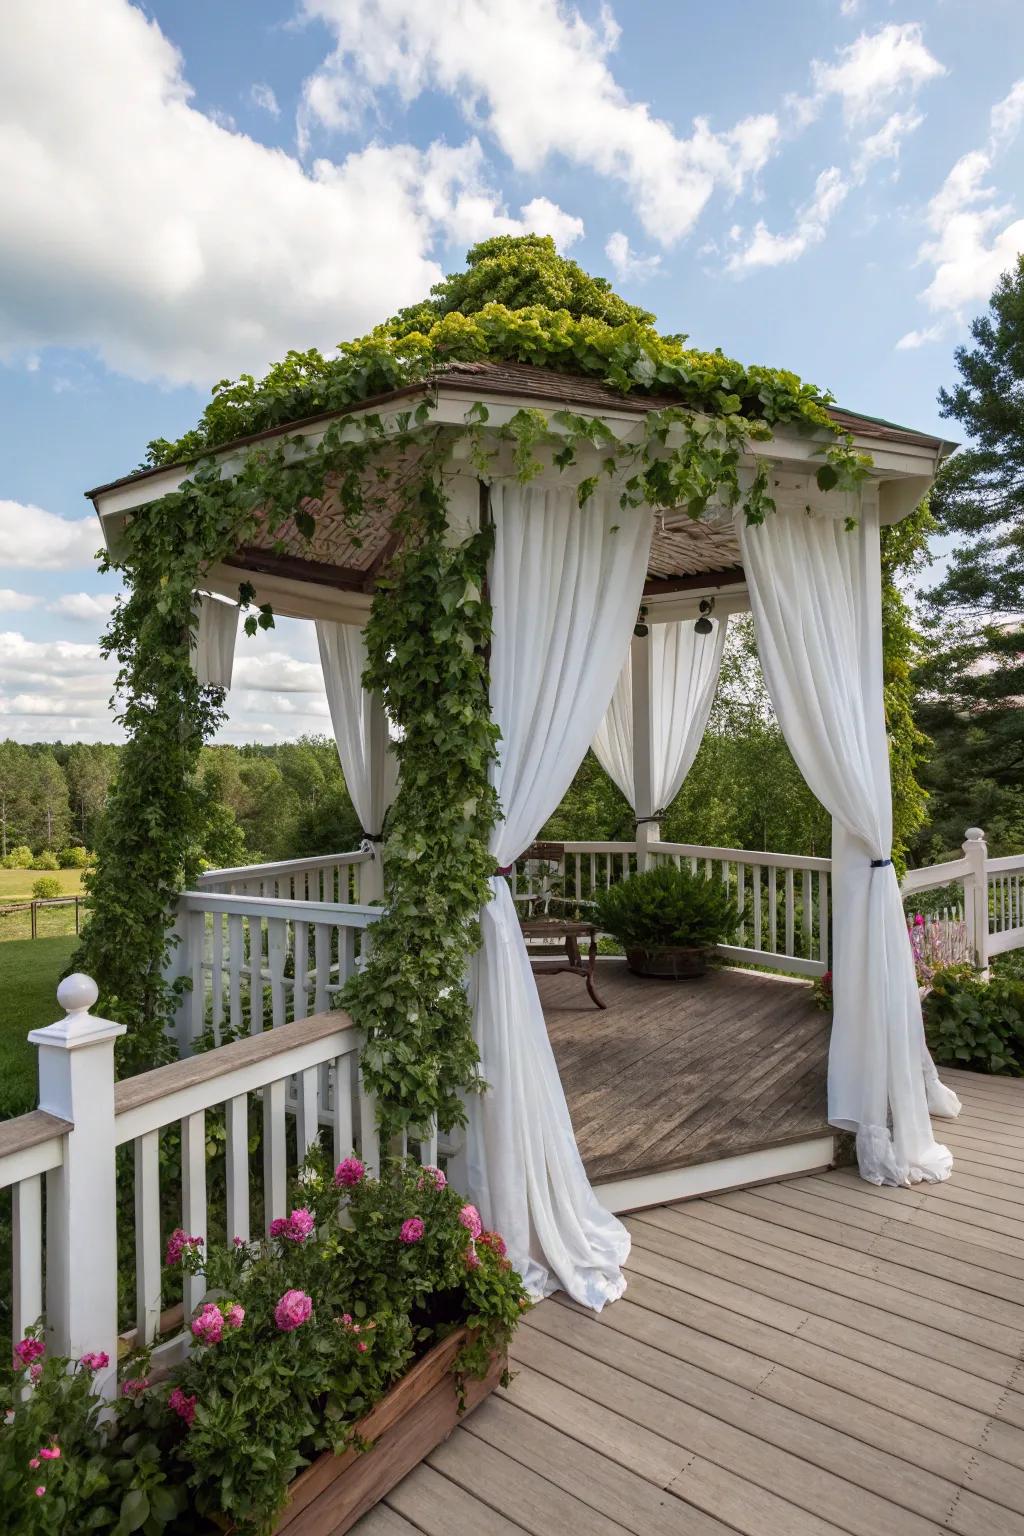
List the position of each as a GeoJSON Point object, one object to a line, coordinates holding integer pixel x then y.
{"type": "Point", "coordinates": [89, 769]}
{"type": "Point", "coordinates": [50, 807]}
{"type": "Point", "coordinates": [972, 679]}
{"type": "Point", "coordinates": [15, 797]}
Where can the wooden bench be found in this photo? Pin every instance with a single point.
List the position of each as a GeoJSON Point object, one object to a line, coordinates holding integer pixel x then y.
{"type": "Point", "coordinates": [541, 926]}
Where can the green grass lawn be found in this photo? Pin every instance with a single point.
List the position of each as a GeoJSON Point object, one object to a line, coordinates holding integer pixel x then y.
{"type": "Point", "coordinates": [16, 884]}
{"type": "Point", "coordinates": [29, 972]}
{"type": "Point", "coordinates": [51, 922]}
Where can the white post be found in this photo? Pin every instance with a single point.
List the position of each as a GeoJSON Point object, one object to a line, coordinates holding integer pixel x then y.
{"type": "Point", "coordinates": [76, 1082]}
{"type": "Point", "coordinates": [976, 895]}
{"type": "Point", "coordinates": [179, 963]}
{"type": "Point", "coordinates": [647, 831]}
{"type": "Point", "coordinates": [371, 875]}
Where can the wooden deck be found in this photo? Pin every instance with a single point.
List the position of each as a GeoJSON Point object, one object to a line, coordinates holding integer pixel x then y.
{"type": "Point", "coordinates": [674, 1073]}
{"type": "Point", "coordinates": [813, 1358]}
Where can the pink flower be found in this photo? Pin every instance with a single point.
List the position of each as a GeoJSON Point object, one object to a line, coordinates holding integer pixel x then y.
{"type": "Point", "coordinates": [431, 1178]}
{"type": "Point", "coordinates": [50, 1452]}
{"type": "Point", "coordinates": [35, 1371]}
{"type": "Point", "coordinates": [184, 1407]}
{"type": "Point", "coordinates": [177, 1243]}
{"type": "Point", "coordinates": [234, 1317]}
{"type": "Point", "coordinates": [35, 1463]}
{"type": "Point", "coordinates": [412, 1230]}
{"type": "Point", "coordinates": [472, 1257]}
{"type": "Point", "coordinates": [29, 1349]}
{"type": "Point", "coordinates": [208, 1327]}
{"type": "Point", "coordinates": [470, 1218]}
{"type": "Point", "coordinates": [495, 1241]}
{"type": "Point", "coordinates": [239, 1242]}
{"type": "Point", "coordinates": [279, 1226]}
{"type": "Point", "coordinates": [362, 1348]}
{"type": "Point", "coordinates": [40, 1491]}
{"type": "Point", "coordinates": [918, 920]}
{"type": "Point", "coordinates": [95, 1362]}
{"type": "Point", "coordinates": [349, 1172]}
{"type": "Point", "coordinates": [135, 1386]}
{"type": "Point", "coordinates": [294, 1309]}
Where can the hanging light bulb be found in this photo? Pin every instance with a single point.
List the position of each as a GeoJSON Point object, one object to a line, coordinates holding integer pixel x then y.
{"type": "Point", "coordinates": [704, 625]}
{"type": "Point", "coordinates": [640, 627]}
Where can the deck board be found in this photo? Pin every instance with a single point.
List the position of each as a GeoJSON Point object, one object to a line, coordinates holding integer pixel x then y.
{"type": "Point", "coordinates": [673, 1074]}
{"type": "Point", "coordinates": [814, 1358]}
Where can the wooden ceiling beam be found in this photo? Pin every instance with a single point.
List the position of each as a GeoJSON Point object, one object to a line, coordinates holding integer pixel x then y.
{"type": "Point", "coordinates": [727, 578]}
{"type": "Point", "coordinates": [264, 562]}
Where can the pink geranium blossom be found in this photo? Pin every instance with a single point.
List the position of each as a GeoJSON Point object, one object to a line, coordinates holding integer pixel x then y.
{"type": "Point", "coordinates": [472, 1257]}
{"type": "Point", "coordinates": [35, 1463]}
{"type": "Point", "coordinates": [95, 1361]}
{"type": "Point", "coordinates": [362, 1347]}
{"type": "Point", "coordinates": [177, 1243]}
{"type": "Point", "coordinates": [294, 1309]}
{"type": "Point", "coordinates": [349, 1172]}
{"type": "Point", "coordinates": [50, 1452]}
{"type": "Point", "coordinates": [495, 1241]}
{"type": "Point", "coordinates": [35, 1371]}
{"type": "Point", "coordinates": [431, 1178]}
{"type": "Point", "coordinates": [296, 1227]}
{"type": "Point", "coordinates": [29, 1349]}
{"type": "Point", "coordinates": [470, 1218]}
{"type": "Point", "coordinates": [412, 1230]}
{"type": "Point", "coordinates": [184, 1407]}
{"type": "Point", "coordinates": [135, 1386]}
{"type": "Point", "coordinates": [40, 1491]}
{"type": "Point", "coordinates": [234, 1317]}
{"type": "Point", "coordinates": [208, 1327]}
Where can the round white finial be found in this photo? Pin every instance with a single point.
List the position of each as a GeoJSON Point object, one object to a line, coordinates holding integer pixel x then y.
{"type": "Point", "coordinates": [77, 993]}
{"type": "Point", "coordinates": [974, 835]}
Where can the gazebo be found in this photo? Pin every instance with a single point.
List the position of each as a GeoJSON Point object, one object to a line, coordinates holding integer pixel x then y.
{"type": "Point", "coordinates": [542, 464]}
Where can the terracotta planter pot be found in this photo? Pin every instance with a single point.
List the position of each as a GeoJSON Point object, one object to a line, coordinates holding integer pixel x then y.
{"type": "Point", "coordinates": [669, 964]}
{"type": "Point", "coordinates": [417, 1414]}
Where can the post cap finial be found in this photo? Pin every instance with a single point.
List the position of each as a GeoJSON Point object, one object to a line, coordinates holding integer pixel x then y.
{"type": "Point", "coordinates": [77, 993]}
{"type": "Point", "coordinates": [974, 835]}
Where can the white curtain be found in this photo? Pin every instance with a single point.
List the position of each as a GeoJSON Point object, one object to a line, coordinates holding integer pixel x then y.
{"type": "Point", "coordinates": [565, 583]}
{"type": "Point", "coordinates": [684, 674]}
{"type": "Point", "coordinates": [360, 724]}
{"type": "Point", "coordinates": [213, 641]}
{"type": "Point", "coordinates": [815, 592]}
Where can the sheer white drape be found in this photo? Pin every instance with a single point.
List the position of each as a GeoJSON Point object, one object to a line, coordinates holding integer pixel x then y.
{"type": "Point", "coordinates": [213, 649]}
{"type": "Point", "coordinates": [360, 724]}
{"type": "Point", "coordinates": [684, 675]}
{"type": "Point", "coordinates": [815, 592]}
{"type": "Point", "coordinates": [565, 584]}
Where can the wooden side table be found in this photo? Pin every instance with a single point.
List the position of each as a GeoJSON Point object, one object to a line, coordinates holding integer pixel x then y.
{"type": "Point", "coordinates": [570, 931]}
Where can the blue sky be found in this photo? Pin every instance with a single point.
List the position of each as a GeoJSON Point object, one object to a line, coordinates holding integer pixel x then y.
{"type": "Point", "coordinates": [827, 185]}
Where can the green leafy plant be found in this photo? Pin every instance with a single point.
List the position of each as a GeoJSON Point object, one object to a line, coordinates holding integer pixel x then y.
{"type": "Point", "coordinates": [74, 858]}
{"type": "Point", "coordinates": [46, 860]}
{"type": "Point", "coordinates": [18, 858]}
{"type": "Point", "coordinates": [667, 908]}
{"type": "Point", "coordinates": [977, 1024]}
{"type": "Point", "coordinates": [46, 888]}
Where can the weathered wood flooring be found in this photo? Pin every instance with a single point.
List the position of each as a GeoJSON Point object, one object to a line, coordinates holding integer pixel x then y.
{"type": "Point", "coordinates": [673, 1073]}
{"type": "Point", "coordinates": [814, 1358]}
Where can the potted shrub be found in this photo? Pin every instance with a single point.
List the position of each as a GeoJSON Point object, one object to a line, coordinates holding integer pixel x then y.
{"type": "Point", "coordinates": [667, 920]}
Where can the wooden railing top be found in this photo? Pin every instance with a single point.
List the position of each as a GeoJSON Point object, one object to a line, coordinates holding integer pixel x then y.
{"type": "Point", "coordinates": [282, 867]}
{"type": "Point", "coordinates": [134, 1093]}
{"type": "Point", "coordinates": [346, 913]}
{"type": "Point", "coordinates": [744, 856]}
{"type": "Point", "coordinates": [31, 1130]}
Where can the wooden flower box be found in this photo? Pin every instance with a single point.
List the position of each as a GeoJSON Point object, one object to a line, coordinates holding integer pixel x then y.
{"type": "Point", "coordinates": [418, 1413]}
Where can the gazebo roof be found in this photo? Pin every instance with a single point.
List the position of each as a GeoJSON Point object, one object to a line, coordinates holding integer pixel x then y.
{"type": "Point", "coordinates": [686, 556]}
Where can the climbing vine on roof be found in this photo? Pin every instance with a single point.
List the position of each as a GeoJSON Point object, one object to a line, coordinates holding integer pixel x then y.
{"type": "Point", "coordinates": [427, 637]}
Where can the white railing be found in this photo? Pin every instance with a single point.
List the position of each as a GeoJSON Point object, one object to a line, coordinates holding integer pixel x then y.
{"type": "Point", "coordinates": [782, 903]}
{"type": "Point", "coordinates": [582, 871]}
{"type": "Point", "coordinates": [326, 877]}
{"type": "Point", "coordinates": [307, 1072]}
{"type": "Point", "coordinates": [256, 962]}
{"type": "Point", "coordinates": [993, 895]}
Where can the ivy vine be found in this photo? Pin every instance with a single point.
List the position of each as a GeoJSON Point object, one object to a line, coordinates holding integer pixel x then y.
{"type": "Point", "coordinates": [429, 627]}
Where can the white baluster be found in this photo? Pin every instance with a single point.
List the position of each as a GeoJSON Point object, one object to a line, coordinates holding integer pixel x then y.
{"type": "Point", "coordinates": [193, 1196]}
{"type": "Point", "coordinates": [27, 1255]}
{"type": "Point", "coordinates": [237, 1167]}
{"type": "Point", "coordinates": [147, 1237]}
{"type": "Point", "coordinates": [275, 1168]}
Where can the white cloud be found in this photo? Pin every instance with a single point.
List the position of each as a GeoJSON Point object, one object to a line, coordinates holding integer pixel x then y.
{"type": "Point", "coordinates": [536, 77]}
{"type": "Point", "coordinates": [626, 264]}
{"type": "Point", "coordinates": [16, 602]}
{"type": "Point", "coordinates": [875, 69]}
{"type": "Point", "coordinates": [973, 238]}
{"type": "Point", "coordinates": [193, 251]}
{"type": "Point", "coordinates": [765, 249]}
{"type": "Point", "coordinates": [885, 143]}
{"type": "Point", "coordinates": [849, 7]}
{"type": "Point", "coordinates": [274, 672]}
{"type": "Point", "coordinates": [33, 539]}
{"type": "Point", "coordinates": [262, 95]}
{"type": "Point", "coordinates": [92, 607]}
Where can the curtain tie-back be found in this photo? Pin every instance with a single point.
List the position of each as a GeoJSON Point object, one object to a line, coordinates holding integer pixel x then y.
{"type": "Point", "coordinates": [641, 821]}
{"type": "Point", "coordinates": [504, 869]}
{"type": "Point", "coordinates": [880, 863]}
{"type": "Point", "coordinates": [373, 837]}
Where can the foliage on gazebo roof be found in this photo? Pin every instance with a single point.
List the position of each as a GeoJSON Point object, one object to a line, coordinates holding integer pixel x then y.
{"type": "Point", "coordinates": [517, 301]}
